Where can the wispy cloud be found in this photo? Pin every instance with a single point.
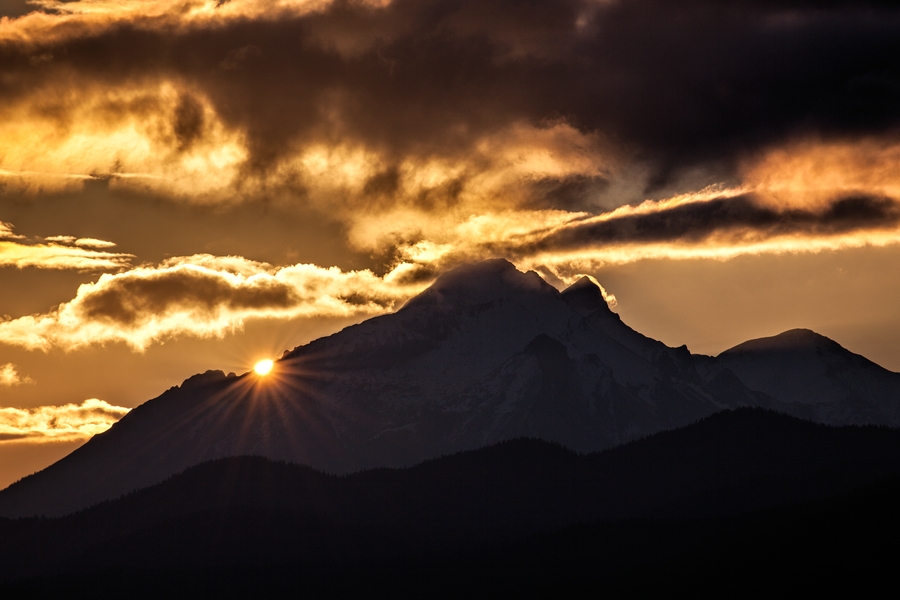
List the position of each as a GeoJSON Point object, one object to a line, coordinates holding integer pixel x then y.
{"type": "Point", "coordinates": [58, 252]}
{"type": "Point", "coordinates": [68, 422]}
{"type": "Point", "coordinates": [6, 232]}
{"type": "Point", "coordinates": [81, 242]}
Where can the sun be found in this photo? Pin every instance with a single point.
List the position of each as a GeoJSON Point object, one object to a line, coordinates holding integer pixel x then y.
{"type": "Point", "coordinates": [264, 367]}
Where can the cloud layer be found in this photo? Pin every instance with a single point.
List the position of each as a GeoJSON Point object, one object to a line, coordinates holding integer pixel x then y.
{"type": "Point", "coordinates": [58, 252]}
{"type": "Point", "coordinates": [203, 296]}
{"type": "Point", "coordinates": [274, 88]}
{"type": "Point", "coordinates": [69, 422]}
{"type": "Point", "coordinates": [210, 296]}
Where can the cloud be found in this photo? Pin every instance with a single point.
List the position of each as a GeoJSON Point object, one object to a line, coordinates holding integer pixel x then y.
{"type": "Point", "coordinates": [82, 242]}
{"type": "Point", "coordinates": [93, 243]}
{"type": "Point", "coordinates": [564, 134]}
{"type": "Point", "coordinates": [202, 296]}
{"type": "Point", "coordinates": [9, 376]}
{"type": "Point", "coordinates": [718, 224]}
{"type": "Point", "coordinates": [210, 296]}
{"type": "Point", "coordinates": [810, 172]}
{"type": "Point", "coordinates": [69, 422]}
{"type": "Point", "coordinates": [6, 232]}
{"type": "Point", "coordinates": [420, 125]}
{"type": "Point", "coordinates": [272, 88]}
{"type": "Point", "coordinates": [736, 219]}
{"type": "Point", "coordinates": [62, 252]}
{"type": "Point", "coordinates": [154, 136]}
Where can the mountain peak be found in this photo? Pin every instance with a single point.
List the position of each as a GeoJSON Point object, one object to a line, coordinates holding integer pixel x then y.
{"type": "Point", "coordinates": [202, 379]}
{"type": "Point", "coordinates": [491, 268]}
{"type": "Point", "coordinates": [792, 340]}
{"type": "Point", "coordinates": [585, 296]}
{"type": "Point", "coordinates": [480, 282]}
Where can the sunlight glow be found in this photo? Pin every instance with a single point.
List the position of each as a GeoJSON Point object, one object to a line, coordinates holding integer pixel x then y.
{"type": "Point", "coordinates": [263, 367]}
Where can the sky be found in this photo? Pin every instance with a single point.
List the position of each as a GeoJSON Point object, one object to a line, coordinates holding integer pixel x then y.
{"type": "Point", "coordinates": [190, 185]}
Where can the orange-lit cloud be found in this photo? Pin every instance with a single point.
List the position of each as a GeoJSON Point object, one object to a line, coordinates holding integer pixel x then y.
{"type": "Point", "coordinates": [81, 242]}
{"type": "Point", "coordinates": [155, 137]}
{"type": "Point", "coordinates": [812, 172]}
{"type": "Point", "coordinates": [718, 224]}
{"type": "Point", "coordinates": [59, 21]}
{"type": "Point", "coordinates": [6, 232]}
{"type": "Point", "coordinates": [163, 137]}
{"type": "Point", "coordinates": [210, 296]}
{"type": "Point", "coordinates": [99, 84]}
{"type": "Point", "coordinates": [62, 252]}
{"type": "Point", "coordinates": [9, 376]}
{"type": "Point", "coordinates": [202, 296]}
{"type": "Point", "coordinates": [437, 132]}
{"type": "Point", "coordinates": [69, 422]}
{"type": "Point", "coordinates": [362, 108]}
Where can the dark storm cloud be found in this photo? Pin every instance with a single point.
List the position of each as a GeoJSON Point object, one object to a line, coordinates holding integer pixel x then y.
{"type": "Point", "coordinates": [678, 84]}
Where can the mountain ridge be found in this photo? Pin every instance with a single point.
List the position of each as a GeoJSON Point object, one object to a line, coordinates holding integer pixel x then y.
{"type": "Point", "coordinates": [486, 353]}
{"type": "Point", "coordinates": [730, 463]}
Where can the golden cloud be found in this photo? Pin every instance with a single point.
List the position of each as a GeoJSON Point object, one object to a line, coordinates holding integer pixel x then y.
{"type": "Point", "coordinates": [9, 376]}
{"type": "Point", "coordinates": [809, 173]}
{"type": "Point", "coordinates": [812, 196]}
{"type": "Point", "coordinates": [166, 137]}
{"type": "Point", "coordinates": [63, 20]}
{"type": "Point", "coordinates": [203, 296]}
{"type": "Point", "coordinates": [417, 106]}
{"type": "Point", "coordinates": [210, 296]}
{"type": "Point", "coordinates": [79, 254]}
{"type": "Point", "coordinates": [714, 224]}
{"type": "Point", "coordinates": [55, 256]}
{"type": "Point", "coordinates": [6, 232]}
{"type": "Point", "coordinates": [69, 422]}
{"type": "Point", "coordinates": [155, 137]}
{"type": "Point", "coordinates": [431, 153]}
{"type": "Point", "coordinates": [82, 242]}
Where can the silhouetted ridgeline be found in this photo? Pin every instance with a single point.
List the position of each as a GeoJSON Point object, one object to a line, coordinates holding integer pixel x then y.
{"type": "Point", "coordinates": [478, 508]}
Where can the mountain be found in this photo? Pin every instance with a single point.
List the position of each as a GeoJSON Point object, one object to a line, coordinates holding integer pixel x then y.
{"type": "Point", "coordinates": [486, 354]}
{"type": "Point", "coordinates": [816, 378]}
{"type": "Point", "coordinates": [249, 510]}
